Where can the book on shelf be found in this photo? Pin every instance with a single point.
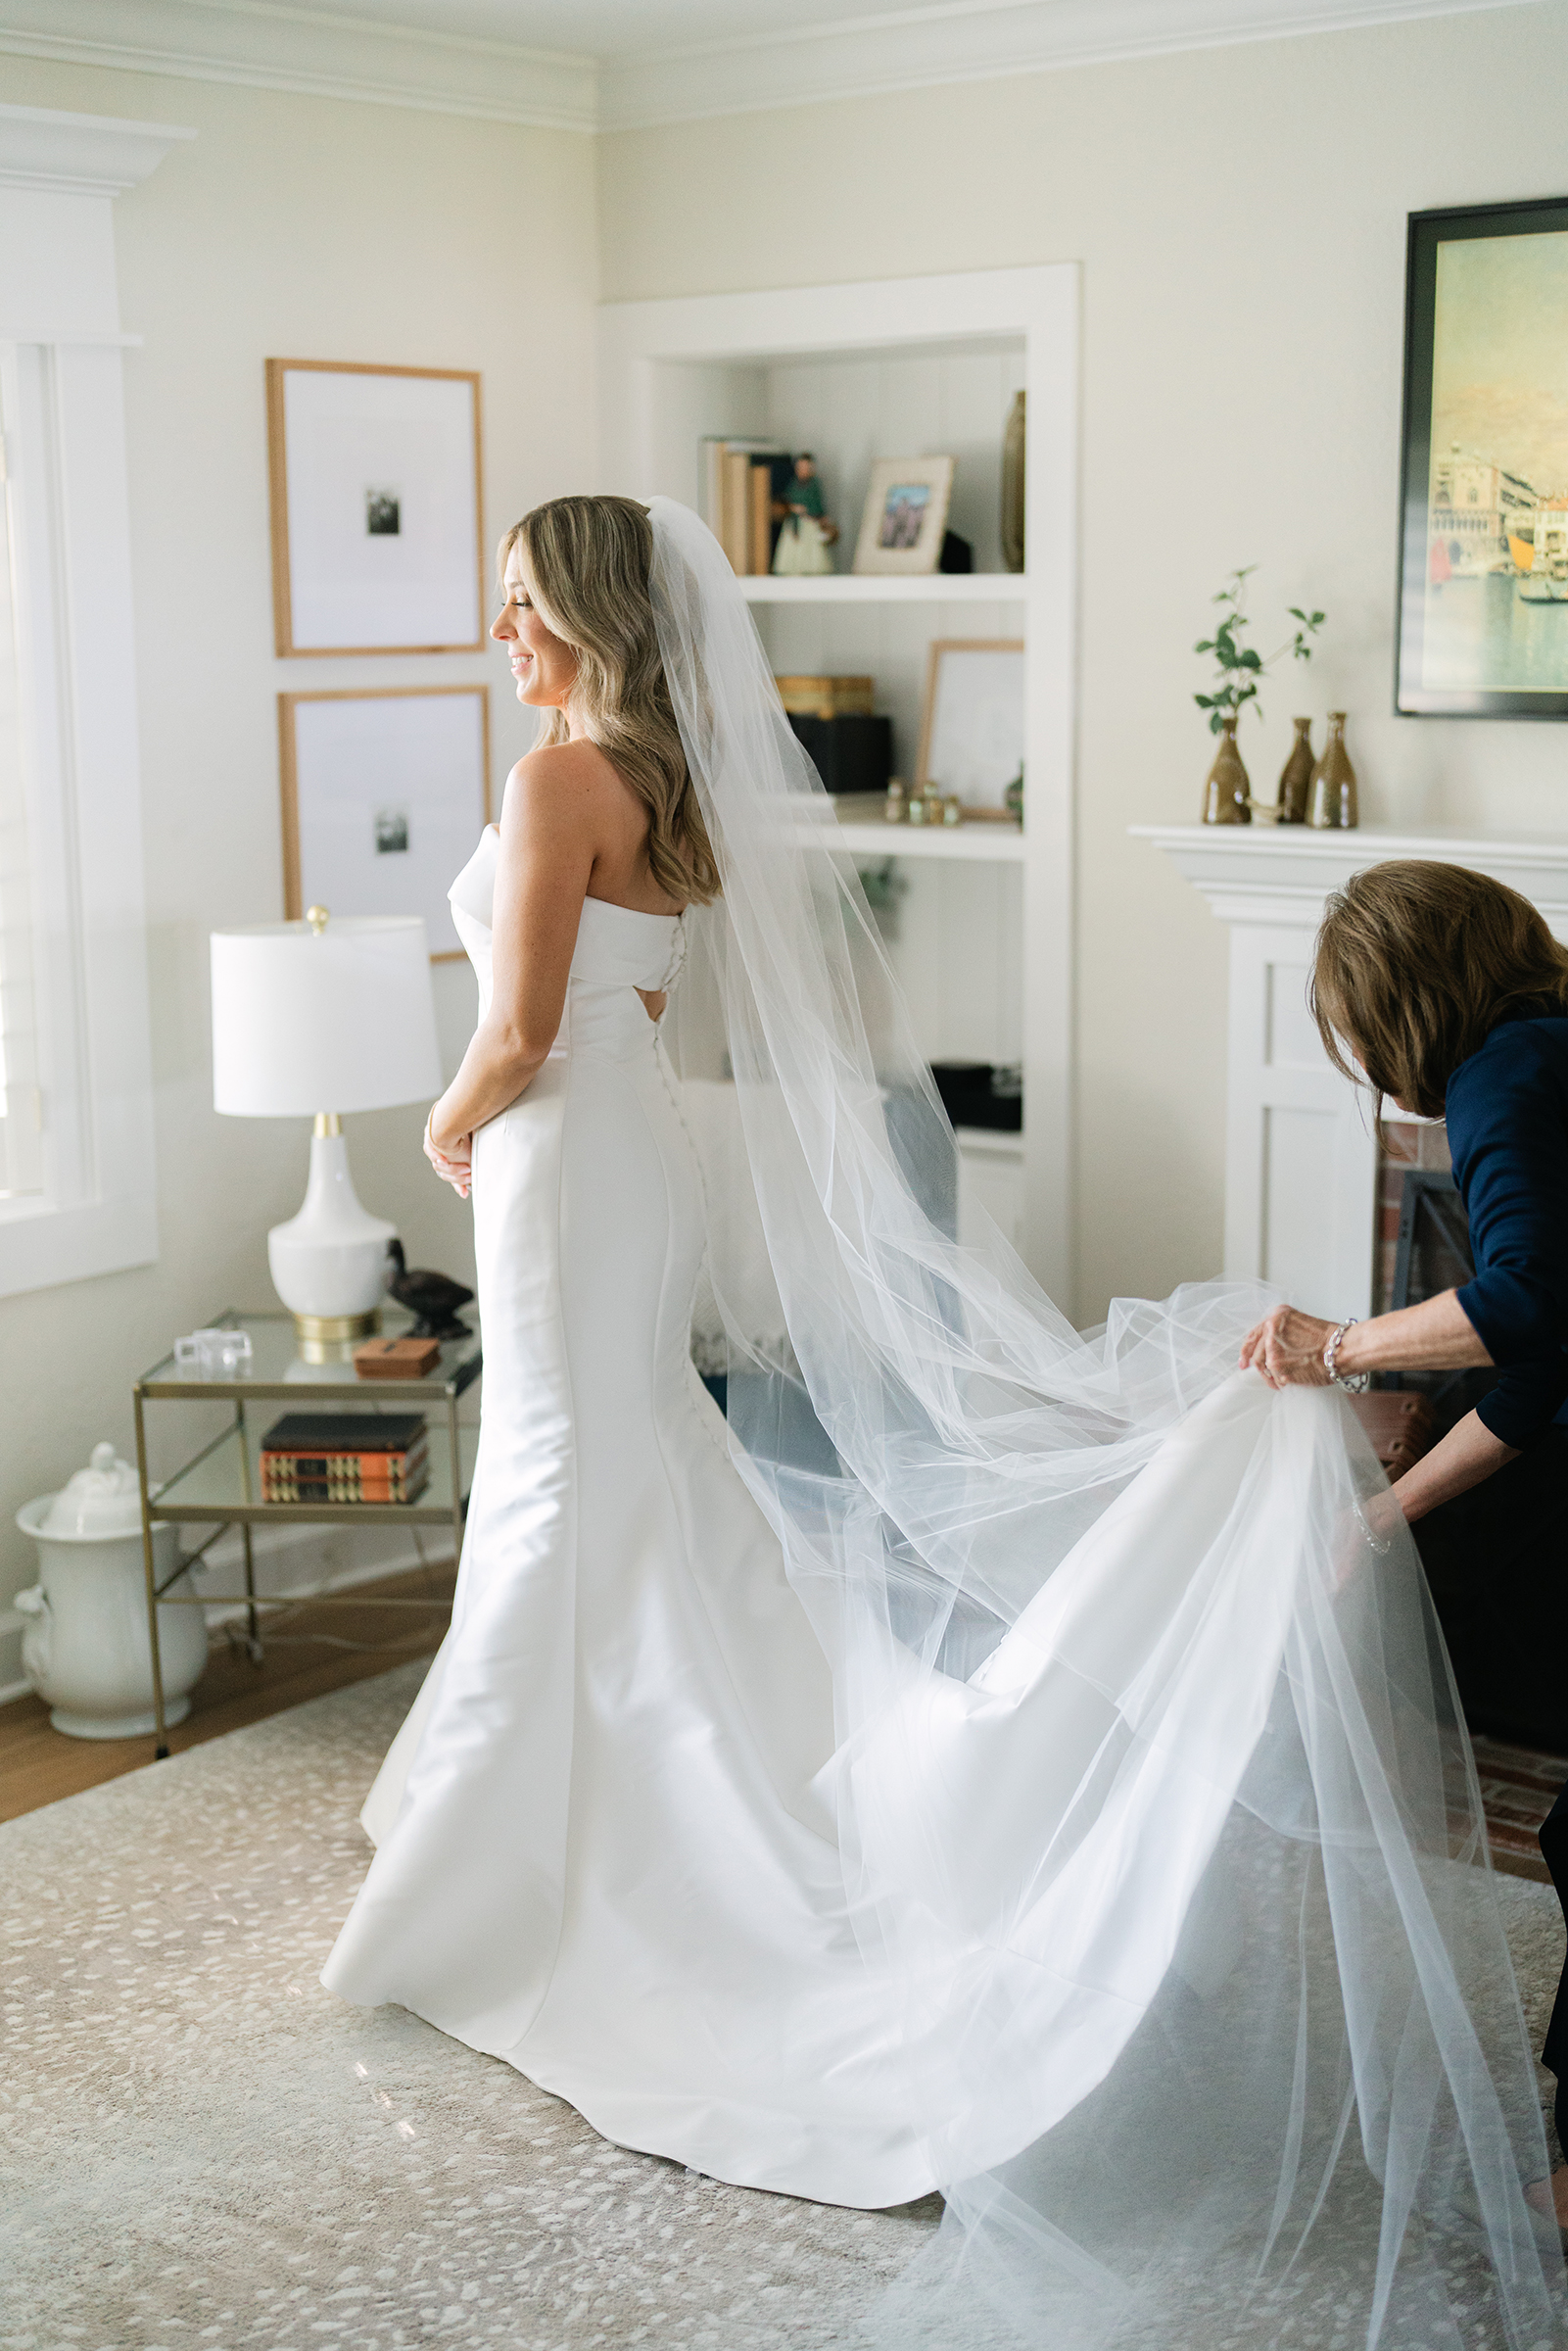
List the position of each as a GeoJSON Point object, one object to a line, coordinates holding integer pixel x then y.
{"type": "Point", "coordinates": [346, 1457]}
{"type": "Point", "coordinates": [331, 1489]}
{"type": "Point", "coordinates": [345, 1432]}
{"type": "Point", "coordinates": [742, 480]}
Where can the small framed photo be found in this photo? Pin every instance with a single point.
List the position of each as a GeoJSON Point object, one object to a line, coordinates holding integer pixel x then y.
{"type": "Point", "coordinates": [971, 726]}
{"type": "Point", "coordinates": [377, 534]}
{"type": "Point", "coordinates": [385, 793]}
{"type": "Point", "coordinates": [905, 517]}
{"type": "Point", "coordinates": [1484, 547]}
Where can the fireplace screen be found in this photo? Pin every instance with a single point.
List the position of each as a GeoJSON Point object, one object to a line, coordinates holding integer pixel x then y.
{"type": "Point", "coordinates": [1433, 1256]}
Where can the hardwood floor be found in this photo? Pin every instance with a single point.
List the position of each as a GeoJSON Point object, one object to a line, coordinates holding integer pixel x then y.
{"type": "Point", "coordinates": [39, 1765]}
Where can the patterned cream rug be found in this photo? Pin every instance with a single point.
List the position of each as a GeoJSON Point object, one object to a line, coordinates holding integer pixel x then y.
{"type": "Point", "coordinates": [201, 2150]}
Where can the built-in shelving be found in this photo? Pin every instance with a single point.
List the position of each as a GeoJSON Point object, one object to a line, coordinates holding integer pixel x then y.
{"type": "Point", "coordinates": [981, 844]}
{"type": "Point", "coordinates": [924, 588]}
{"type": "Point", "coordinates": [977, 926]}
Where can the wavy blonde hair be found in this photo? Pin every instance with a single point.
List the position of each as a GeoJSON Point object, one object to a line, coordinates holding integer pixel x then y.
{"type": "Point", "coordinates": [1414, 966]}
{"type": "Point", "coordinates": [588, 561]}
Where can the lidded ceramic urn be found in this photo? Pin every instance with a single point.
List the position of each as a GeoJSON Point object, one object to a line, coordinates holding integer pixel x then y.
{"type": "Point", "coordinates": [85, 1648]}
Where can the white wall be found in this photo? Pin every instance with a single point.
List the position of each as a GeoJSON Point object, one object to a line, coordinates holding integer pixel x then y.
{"type": "Point", "coordinates": [304, 228]}
{"type": "Point", "coordinates": [1240, 215]}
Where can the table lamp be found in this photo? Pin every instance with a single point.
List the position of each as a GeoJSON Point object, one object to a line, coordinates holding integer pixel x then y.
{"type": "Point", "coordinates": [307, 1013]}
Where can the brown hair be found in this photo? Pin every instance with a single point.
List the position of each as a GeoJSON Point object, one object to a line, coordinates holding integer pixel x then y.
{"type": "Point", "coordinates": [1415, 963]}
{"type": "Point", "coordinates": [588, 561]}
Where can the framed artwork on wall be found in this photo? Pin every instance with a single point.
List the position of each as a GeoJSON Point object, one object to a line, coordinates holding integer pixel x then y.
{"type": "Point", "coordinates": [385, 790]}
{"type": "Point", "coordinates": [377, 533]}
{"type": "Point", "coordinates": [1482, 619]}
{"type": "Point", "coordinates": [905, 516]}
{"type": "Point", "coordinates": [972, 724]}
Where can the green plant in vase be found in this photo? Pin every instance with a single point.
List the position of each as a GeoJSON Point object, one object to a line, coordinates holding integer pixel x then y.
{"type": "Point", "coordinates": [1239, 671]}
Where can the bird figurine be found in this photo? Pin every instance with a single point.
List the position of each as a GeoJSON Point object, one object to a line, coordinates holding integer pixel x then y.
{"type": "Point", "coordinates": [433, 1297]}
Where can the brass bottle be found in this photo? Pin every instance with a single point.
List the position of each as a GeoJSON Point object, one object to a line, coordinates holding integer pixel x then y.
{"type": "Point", "coordinates": [1296, 776]}
{"type": "Point", "coordinates": [1332, 805]}
{"type": "Point", "coordinates": [1227, 791]}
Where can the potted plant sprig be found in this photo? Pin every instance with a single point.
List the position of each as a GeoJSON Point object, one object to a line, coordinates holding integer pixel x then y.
{"type": "Point", "coordinates": [1239, 670]}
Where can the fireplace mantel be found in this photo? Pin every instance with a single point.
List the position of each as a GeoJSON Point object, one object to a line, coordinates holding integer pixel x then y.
{"type": "Point", "coordinates": [1300, 1158]}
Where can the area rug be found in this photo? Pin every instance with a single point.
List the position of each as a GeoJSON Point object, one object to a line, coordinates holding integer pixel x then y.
{"type": "Point", "coordinates": [201, 2150]}
{"type": "Point", "coordinates": [198, 2146]}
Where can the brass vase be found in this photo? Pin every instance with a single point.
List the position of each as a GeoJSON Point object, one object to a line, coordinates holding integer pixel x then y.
{"type": "Point", "coordinates": [1012, 487]}
{"type": "Point", "coordinates": [1296, 776]}
{"type": "Point", "coordinates": [1227, 791]}
{"type": "Point", "coordinates": [1331, 804]}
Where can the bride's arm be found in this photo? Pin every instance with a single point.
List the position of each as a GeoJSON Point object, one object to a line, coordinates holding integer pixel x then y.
{"type": "Point", "coordinates": [549, 841]}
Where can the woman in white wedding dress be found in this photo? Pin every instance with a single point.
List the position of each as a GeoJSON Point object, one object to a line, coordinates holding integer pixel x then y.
{"type": "Point", "coordinates": [984, 1758]}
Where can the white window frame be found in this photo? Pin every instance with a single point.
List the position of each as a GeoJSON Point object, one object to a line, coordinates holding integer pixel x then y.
{"type": "Point", "coordinates": [73, 793]}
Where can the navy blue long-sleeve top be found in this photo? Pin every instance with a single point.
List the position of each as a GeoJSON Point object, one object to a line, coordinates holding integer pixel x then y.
{"type": "Point", "coordinates": [1507, 1119]}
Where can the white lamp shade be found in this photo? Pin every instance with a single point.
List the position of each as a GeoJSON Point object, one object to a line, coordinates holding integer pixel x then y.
{"type": "Point", "coordinates": [342, 1020]}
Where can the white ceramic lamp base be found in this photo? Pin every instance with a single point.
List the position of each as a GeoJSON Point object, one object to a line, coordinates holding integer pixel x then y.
{"type": "Point", "coordinates": [329, 1262]}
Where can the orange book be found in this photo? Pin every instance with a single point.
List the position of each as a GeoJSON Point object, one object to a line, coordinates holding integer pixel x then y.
{"type": "Point", "coordinates": [761, 520]}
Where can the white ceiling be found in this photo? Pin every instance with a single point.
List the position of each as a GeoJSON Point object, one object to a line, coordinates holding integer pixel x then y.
{"type": "Point", "coordinates": [609, 64]}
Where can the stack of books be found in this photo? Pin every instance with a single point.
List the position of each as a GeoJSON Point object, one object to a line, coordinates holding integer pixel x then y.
{"type": "Point", "coordinates": [345, 1456]}
{"type": "Point", "coordinates": [742, 481]}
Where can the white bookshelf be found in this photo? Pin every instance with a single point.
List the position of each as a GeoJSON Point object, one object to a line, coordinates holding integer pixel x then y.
{"type": "Point", "coordinates": [982, 937]}
{"type": "Point", "coordinates": [845, 588]}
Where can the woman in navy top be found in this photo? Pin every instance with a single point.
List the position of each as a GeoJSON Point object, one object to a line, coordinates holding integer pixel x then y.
{"type": "Point", "coordinates": [1446, 992]}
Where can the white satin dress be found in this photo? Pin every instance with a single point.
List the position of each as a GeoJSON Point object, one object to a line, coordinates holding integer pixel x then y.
{"type": "Point", "coordinates": [599, 1852]}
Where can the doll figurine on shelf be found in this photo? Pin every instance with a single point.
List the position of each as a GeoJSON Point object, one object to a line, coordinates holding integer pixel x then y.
{"type": "Point", "coordinates": [807, 532]}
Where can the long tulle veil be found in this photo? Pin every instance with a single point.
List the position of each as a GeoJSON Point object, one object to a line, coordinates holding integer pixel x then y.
{"type": "Point", "coordinates": [1155, 1814]}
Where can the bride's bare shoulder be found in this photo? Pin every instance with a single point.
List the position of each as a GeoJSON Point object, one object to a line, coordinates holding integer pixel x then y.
{"type": "Point", "coordinates": [561, 786]}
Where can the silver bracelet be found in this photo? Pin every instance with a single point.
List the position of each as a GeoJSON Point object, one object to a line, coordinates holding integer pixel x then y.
{"type": "Point", "coordinates": [1356, 1383]}
{"type": "Point", "coordinates": [1382, 1549]}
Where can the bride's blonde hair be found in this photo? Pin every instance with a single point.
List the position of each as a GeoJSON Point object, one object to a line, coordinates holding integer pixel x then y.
{"type": "Point", "coordinates": [588, 561]}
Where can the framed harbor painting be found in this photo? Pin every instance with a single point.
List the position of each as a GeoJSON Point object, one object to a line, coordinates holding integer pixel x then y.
{"type": "Point", "coordinates": [1484, 546]}
{"type": "Point", "coordinates": [386, 791]}
{"type": "Point", "coordinates": [377, 539]}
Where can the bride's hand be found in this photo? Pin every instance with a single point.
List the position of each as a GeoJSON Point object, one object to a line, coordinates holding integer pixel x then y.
{"type": "Point", "coordinates": [455, 1167]}
{"type": "Point", "coordinates": [1287, 1348]}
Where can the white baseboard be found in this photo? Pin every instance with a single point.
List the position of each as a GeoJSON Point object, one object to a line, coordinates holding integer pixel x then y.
{"type": "Point", "coordinates": [291, 1564]}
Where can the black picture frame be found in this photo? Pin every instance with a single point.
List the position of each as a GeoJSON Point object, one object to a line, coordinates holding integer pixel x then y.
{"type": "Point", "coordinates": [1468, 633]}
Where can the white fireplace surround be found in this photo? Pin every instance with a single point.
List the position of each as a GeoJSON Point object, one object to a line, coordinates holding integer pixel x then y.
{"type": "Point", "coordinates": [1300, 1157]}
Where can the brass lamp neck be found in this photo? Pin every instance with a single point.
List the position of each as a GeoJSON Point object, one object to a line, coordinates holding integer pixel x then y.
{"type": "Point", "coordinates": [327, 1122]}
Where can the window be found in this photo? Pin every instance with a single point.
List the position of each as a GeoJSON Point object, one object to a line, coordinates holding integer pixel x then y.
{"type": "Point", "coordinates": [76, 1171]}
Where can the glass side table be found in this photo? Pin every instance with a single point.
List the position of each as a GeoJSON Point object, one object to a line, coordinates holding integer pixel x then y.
{"type": "Point", "coordinates": [222, 1482]}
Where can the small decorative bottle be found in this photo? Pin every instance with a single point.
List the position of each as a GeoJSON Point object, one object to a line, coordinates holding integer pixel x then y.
{"type": "Point", "coordinates": [1228, 791]}
{"type": "Point", "coordinates": [952, 810]}
{"type": "Point", "coordinates": [1332, 805]}
{"type": "Point", "coordinates": [896, 803]}
{"type": "Point", "coordinates": [1296, 776]}
{"type": "Point", "coordinates": [917, 810]}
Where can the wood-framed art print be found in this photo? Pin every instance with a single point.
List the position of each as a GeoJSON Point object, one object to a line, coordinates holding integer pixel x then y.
{"type": "Point", "coordinates": [1483, 616]}
{"type": "Point", "coordinates": [904, 519]}
{"type": "Point", "coordinates": [971, 721]}
{"type": "Point", "coordinates": [386, 791]}
{"type": "Point", "coordinates": [377, 527]}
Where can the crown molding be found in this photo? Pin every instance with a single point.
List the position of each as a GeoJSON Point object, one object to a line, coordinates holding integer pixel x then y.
{"type": "Point", "coordinates": [80, 154]}
{"type": "Point", "coordinates": [963, 40]}
{"type": "Point", "coordinates": [313, 53]}
{"type": "Point", "coordinates": [268, 45]}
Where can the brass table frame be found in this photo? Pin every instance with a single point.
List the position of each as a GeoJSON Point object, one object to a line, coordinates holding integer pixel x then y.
{"type": "Point", "coordinates": [460, 1366]}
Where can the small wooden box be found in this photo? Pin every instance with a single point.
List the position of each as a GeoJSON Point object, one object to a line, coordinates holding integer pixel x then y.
{"type": "Point", "coordinates": [395, 1359]}
{"type": "Point", "coordinates": [827, 697]}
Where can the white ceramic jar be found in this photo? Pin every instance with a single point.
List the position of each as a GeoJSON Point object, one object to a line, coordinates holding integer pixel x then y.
{"type": "Point", "coordinates": [85, 1647]}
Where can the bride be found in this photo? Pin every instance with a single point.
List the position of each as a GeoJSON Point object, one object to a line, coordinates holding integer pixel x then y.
{"type": "Point", "coordinates": [981, 1756]}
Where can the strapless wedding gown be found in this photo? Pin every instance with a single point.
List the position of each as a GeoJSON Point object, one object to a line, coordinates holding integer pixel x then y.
{"type": "Point", "coordinates": [601, 1854]}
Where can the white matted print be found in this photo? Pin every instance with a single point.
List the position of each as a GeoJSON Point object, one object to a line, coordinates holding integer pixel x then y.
{"type": "Point", "coordinates": [972, 729]}
{"type": "Point", "coordinates": [376, 525]}
{"type": "Point", "coordinates": [905, 517]}
{"type": "Point", "coordinates": [384, 795]}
